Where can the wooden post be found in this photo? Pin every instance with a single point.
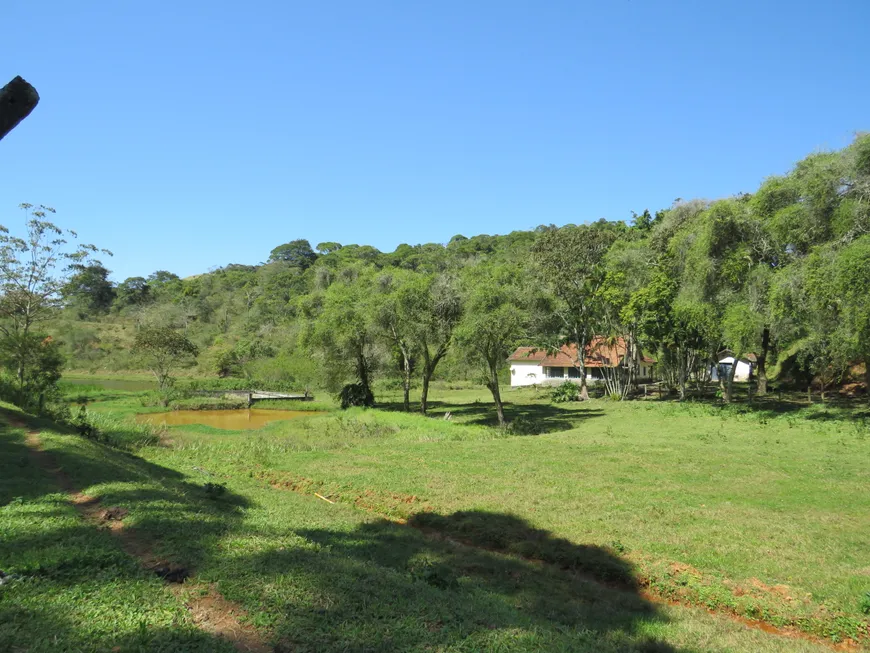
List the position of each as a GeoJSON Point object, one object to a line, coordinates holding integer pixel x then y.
{"type": "Point", "coordinates": [17, 100]}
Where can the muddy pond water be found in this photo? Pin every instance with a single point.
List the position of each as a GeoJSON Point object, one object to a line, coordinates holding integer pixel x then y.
{"type": "Point", "coordinates": [231, 420]}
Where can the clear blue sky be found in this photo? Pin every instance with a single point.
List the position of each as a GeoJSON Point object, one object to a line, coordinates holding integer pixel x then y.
{"type": "Point", "coordinates": [189, 134]}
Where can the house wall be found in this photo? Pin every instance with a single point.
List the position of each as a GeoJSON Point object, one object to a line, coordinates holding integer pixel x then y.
{"type": "Point", "coordinates": [526, 373]}
{"type": "Point", "coordinates": [645, 371]}
{"type": "Point", "coordinates": [531, 373]}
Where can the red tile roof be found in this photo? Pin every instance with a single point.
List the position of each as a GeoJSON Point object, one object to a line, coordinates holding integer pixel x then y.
{"type": "Point", "coordinates": [598, 354]}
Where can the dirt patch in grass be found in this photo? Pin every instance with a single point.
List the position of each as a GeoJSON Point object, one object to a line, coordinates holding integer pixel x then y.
{"type": "Point", "coordinates": [398, 507]}
{"type": "Point", "coordinates": [208, 609]}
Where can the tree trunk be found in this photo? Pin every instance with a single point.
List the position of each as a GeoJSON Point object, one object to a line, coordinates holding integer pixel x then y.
{"type": "Point", "coordinates": [406, 383]}
{"type": "Point", "coordinates": [762, 363]}
{"type": "Point", "coordinates": [729, 384]}
{"type": "Point", "coordinates": [429, 365]}
{"type": "Point", "coordinates": [496, 394]}
{"type": "Point", "coordinates": [581, 369]}
{"type": "Point", "coordinates": [362, 370]}
{"type": "Point", "coordinates": [424, 393]}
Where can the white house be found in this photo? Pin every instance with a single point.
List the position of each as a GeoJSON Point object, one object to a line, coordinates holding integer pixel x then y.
{"type": "Point", "coordinates": [531, 365]}
{"type": "Point", "coordinates": [744, 369]}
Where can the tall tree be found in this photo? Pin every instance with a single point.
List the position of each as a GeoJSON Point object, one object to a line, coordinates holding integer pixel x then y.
{"type": "Point", "coordinates": [33, 272]}
{"type": "Point", "coordinates": [339, 327]}
{"type": "Point", "coordinates": [90, 290]}
{"type": "Point", "coordinates": [133, 291]}
{"type": "Point", "coordinates": [395, 312]}
{"type": "Point", "coordinates": [418, 313]}
{"type": "Point", "coordinates": [571, 262]}
{"type": "Point", "coordinates": [495, 322]}
{"type": "Point", "coordinates": [163, 350]}
{"type": "Point", "coordinates": [297, 253]}
{"type": "Point", "coordinates": [440, 311]}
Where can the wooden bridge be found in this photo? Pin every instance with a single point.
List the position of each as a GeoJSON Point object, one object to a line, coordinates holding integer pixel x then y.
{"type": "Point", "coordinates": [259, 395]}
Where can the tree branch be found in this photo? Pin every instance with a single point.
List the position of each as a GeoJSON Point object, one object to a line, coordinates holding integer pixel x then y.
{"type": "Point", "coordinates": [17, 100]}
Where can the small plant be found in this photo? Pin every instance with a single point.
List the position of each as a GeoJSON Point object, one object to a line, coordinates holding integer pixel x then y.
{"type": "Point", "coordinates": [522, 426]}
{"type": "Point", "coordinates": [865, 603]}
{"type": "Point", "coordinates": [432, 571]}
{"type": "Point", "coordinates": [214, 490]}
{"type": "Point", "coordinates": [564, 393]}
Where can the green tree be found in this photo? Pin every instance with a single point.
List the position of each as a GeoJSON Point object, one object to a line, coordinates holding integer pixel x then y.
{"type": "Point", "coordinates": [133, 291]}
{"type": "Point", "coordinates": [339, 327]}
{"type": "Point", "coordinates": [33, 273]}
{"type": "Point", "coordinates": [297, 253]}
{"type": "Point", "coordinates": [570, 261]}
{"type": "Point", "coordinates": [328, 248]}
{"type": "Point", "coordinates": [89, 290]}
{"type": "Point", "coordinates": [163, 350]}
{"type": "Point", "coordinates": [495, 322]}
{"type": "Point", "coordinates": [40, 363]}
{"type": "Point", "coordinates": [417, 314]}
{"type": "Point", "coordinates": [439, 311]}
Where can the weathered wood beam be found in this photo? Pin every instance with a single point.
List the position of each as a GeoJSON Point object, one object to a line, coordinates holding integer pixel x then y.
{"type": "Point", "coordinates": [17, 100]}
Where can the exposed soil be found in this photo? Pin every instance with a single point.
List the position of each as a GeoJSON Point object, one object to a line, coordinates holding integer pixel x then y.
{"type": "Point", "coordinates": [208, 609]}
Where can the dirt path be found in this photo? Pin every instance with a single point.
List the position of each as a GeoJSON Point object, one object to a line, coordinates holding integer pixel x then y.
{"type": "Point", "coordinates": [208, 609]}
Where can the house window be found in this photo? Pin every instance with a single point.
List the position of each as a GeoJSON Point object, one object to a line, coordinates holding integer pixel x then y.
{"type": "Point", "coordinates": [555, 372]}
{"type": "Point", "coordinates": [573, 373]}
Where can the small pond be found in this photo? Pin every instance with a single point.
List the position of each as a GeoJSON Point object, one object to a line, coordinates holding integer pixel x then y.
{"type": "Point", "coordinates": [115, 384]}
{"type": "Point", "coordinates": [233, 420]}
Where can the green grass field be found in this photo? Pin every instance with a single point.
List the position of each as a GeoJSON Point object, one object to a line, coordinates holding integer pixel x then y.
{"type": "Point", "coordinates": [597, 534]}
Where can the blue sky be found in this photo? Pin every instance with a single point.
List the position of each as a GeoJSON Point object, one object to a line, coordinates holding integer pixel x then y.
{"type": "Point", "coordinates": [185, 135]}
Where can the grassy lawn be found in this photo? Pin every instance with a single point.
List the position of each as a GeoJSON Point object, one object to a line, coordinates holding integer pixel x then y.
{"type": "Point", "coordinates": [764, 514]}
{"type": "Point", "coordinates": [68, 586]}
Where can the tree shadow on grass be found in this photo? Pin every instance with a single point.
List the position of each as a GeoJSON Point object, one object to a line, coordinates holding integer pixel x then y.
{"type": "Point", "coordinates": [543, 418]}
{"type": "Point", "coordinates": [53, 558]}
{"type": "Point", "coordinates": [450, 583]}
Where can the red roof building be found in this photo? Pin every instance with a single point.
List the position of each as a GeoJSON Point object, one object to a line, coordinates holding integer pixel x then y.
{"type": "Point", "coordinates": [530, 365]}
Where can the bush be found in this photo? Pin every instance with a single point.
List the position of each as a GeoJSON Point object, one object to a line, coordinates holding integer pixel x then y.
{"type": "Point", "coordinates": [567, 391]}
{"type": "Point", "coordinates": [356, 394]}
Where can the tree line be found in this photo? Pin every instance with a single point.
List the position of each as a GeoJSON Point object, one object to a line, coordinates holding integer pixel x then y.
{"type": "Point", "coordinates": [779, 275]}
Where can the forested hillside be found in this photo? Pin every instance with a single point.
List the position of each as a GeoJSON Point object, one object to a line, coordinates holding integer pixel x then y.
{"type": "Point", "coordinates": [781, 273]}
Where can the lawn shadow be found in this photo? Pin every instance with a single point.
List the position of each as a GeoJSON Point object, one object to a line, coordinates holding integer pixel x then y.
{"type": "Point", "coordinates": [469, 581]}
{"type": "Point", "coordinates": [49, 553]}
{"type": "Point", "coordinates": [176, 519]}
{"type": "Point", "coordinates": [543, 418]}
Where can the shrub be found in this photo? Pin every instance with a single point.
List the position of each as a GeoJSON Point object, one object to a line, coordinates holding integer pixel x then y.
{"type": "Point", "coordinates": [567, 391]}
{"type": "Point", "coordinates": [865, 603]}
{"type": "Point", "coordinates": [356, 394]}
